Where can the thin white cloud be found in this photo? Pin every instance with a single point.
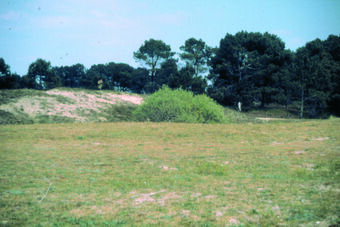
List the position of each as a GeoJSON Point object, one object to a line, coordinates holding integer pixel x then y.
{"type": "Point", "coordinates": [10, 16]}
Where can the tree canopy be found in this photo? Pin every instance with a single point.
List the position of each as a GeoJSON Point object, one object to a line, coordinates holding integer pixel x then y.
{"type": "Point", "coordinates": [317, 74]}
{"type": "Point", "coordinates": [249, 68]}
{"type": "Point", "coordinates": [4, 68]}
{"type": "Point", "coordinates": [196, 53]}
{"type": "Point", "coordinates": [152, 53]}
{"type": "Point", "coordinates": [42, 76]}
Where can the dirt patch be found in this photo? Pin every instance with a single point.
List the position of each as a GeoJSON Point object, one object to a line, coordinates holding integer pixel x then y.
{"type": "Point", "coordinates": [232, 221]}
{"type": "Point", "coordinates": [144, 198]}
{"type": "Point", "coordinates": [320, 138]}
{"type": "Point", "coordinates": [299, 152]}
{"type": "Point", "coordinates": [167, 168]}
{"type": "Point", "coordinates": [185, 213]}
{"type": "Point", "coordinates": [210, 197]}
{"type": "Point", "coordinates": [196, 195]}
{"type": "Point", "coordinates": [147, 197]}
{"type": "Point", "coordinates": [162, 200]}
{"type": "Point", "coordinates": [276, 143]}
{"type": "Point", "coordinates": [219, 214]}
{"type": "Point", "coordinates": [172, 196]}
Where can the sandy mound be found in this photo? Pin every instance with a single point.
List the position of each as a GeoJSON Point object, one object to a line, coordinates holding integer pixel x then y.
{"type": "Point", "coordinates": [109, 98]}
{"type": "Point", "coordinates": [78, 105]}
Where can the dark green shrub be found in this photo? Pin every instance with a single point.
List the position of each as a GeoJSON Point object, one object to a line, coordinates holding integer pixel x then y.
{"type": "Point", "coordinates": [120, 112]}
{"type": "Point", "coordinates": [179, 106]}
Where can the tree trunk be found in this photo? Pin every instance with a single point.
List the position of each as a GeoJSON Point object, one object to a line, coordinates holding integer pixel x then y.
{"type": "Point", "coordinates": [239, 73]}
{"type": "Point", "coordinates": [196, 71]}
{"type": "Point", "coordinates": [302, 102]}
{"type": "Point", "coordinates": [262, 99]}
{"type": "Point", "coordinates": [153, 78]}
{"type": "Point", "coordinates": [153, 72]}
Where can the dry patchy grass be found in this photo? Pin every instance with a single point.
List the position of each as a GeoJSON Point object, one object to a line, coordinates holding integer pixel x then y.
{"type": "Point", "coordinates": [108, 174]}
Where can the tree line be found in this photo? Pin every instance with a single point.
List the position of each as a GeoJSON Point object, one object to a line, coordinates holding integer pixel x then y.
{"type": "Point", "coordinates": [247, 70]}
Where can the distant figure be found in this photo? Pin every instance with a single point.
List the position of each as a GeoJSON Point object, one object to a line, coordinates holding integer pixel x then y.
{"type": "Point", "coordinates": [239, 106]}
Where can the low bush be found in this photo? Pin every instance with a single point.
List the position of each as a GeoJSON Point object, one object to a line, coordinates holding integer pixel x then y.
{"type": "Point", "coordinates": [179, 106]}
{"type": "Point", "coordinates": [10, 118]}
{"type": "Point", "coordinates": [120, 112]}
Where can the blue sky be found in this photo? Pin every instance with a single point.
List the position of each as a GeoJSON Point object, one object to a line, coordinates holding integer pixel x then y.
{"type": "Point", "coordinates": [67, 32]}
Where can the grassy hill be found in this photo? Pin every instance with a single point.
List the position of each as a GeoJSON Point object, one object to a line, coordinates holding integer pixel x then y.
{"type": "Point", "coordinates": [65, 105]}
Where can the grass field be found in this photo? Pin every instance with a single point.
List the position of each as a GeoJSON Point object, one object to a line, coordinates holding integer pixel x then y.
{"type": "Point", "coordinates": [165, 174]}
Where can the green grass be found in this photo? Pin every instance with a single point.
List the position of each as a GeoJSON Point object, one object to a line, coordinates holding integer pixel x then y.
{"type": "Point", "coordinates": [162, 174]}
{"type": "Point", "coordinates": [275, 111]}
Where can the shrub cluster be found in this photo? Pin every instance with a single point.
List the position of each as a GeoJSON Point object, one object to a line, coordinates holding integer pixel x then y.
{"type": "Point", "coordinates": [179, 106]}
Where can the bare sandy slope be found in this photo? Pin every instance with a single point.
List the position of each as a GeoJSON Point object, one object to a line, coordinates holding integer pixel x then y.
{"type": "Point", "coordinates": [78, 105]}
